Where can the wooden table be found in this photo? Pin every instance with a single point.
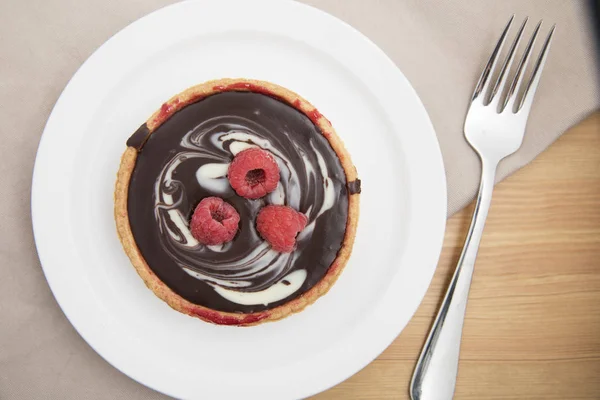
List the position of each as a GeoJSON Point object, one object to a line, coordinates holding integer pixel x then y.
{"type": "Point", "coordinates": [532, 329]}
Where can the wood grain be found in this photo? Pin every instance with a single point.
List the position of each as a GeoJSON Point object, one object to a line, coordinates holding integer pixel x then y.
{"type": "Point", "coordinates": [532, 329]}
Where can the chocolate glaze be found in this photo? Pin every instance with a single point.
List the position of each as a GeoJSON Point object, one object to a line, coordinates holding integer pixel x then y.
{"type": "Point", "coordinates": [139, 137]}
{"type": "Point", "coordinates": [292, 134]}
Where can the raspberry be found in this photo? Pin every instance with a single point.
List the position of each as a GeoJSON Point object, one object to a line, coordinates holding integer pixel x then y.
{"type": "Point", "coordinates": [253, 173]}
{"type": "Point", "coordinates": [214, 221]}
{"type": "Point", "coordinates": [279, 226]}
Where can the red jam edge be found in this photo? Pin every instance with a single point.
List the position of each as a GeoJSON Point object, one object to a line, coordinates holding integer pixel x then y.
{"type": "Point", "coordinates": [221, 319]}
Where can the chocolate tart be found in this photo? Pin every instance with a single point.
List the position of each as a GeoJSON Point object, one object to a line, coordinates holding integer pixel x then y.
{"type": "Point", "coordinates": [180, 155]}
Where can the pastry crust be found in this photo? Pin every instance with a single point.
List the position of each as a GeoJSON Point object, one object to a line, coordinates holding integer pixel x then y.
{"type": "Point", "coordinates": [153, 282]}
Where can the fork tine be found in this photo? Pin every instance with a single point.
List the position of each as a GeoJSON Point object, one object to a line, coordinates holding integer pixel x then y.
{"type": "Point", "coordinates": [484, 80]}
{"type": "Point", "coordinates": [503, 76]}
{"type": "Point", "coordinates": [527, 99]}
{"type": "Point", "coordinates": [511, 96]}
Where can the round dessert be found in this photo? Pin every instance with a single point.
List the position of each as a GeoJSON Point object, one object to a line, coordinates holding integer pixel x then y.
{"type": "Point", "coordinates": [237, 203]}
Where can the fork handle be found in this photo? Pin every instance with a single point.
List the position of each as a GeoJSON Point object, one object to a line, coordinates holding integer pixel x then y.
{"type": "Point", "coordinates": [435, 374]}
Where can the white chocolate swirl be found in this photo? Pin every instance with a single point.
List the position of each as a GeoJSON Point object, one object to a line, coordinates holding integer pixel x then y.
{"type": "Point", "coordinates": [256, 274]}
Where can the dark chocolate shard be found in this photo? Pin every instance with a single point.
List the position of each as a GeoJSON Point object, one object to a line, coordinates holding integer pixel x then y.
{"type": "Point", "coordinates": [139, 137]}
{"type": "Point", "coordinates": [354, 186]}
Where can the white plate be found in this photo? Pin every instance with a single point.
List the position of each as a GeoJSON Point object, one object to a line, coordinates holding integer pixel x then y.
{"type": "Point", "coordinates": [373, 108]}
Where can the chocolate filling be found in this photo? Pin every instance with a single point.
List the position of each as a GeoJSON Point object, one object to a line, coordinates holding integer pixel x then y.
{"type": "Point", "coordinates": [166, 181]}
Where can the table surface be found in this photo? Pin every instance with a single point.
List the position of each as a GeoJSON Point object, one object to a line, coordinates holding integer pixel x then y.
{"type": "Point", "coordinates": [532, 329]}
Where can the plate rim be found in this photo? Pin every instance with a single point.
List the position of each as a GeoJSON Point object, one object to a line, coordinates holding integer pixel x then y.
{"type": "Point", "coordinates": [43, 149]}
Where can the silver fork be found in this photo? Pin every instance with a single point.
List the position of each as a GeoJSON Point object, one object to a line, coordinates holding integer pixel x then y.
{"type": "Point", "coordinates": [495, 129]}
